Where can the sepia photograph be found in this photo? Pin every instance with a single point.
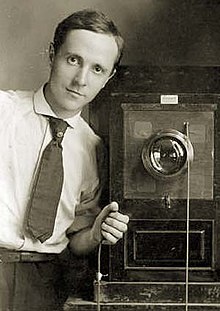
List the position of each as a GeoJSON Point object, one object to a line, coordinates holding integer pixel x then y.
{"type": "Point", "coordinates": [110, 155]}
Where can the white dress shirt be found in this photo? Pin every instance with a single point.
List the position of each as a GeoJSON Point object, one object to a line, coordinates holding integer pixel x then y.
{"type": "Point", "coordinates": [24, 133]}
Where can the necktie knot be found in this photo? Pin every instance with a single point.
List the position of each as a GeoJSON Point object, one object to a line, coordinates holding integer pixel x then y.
{"type": "Point", "coordinates": [58, 128]}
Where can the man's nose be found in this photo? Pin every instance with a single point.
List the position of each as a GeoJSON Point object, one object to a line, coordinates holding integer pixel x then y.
{"type": "Point", "coordinates": [81, 76]}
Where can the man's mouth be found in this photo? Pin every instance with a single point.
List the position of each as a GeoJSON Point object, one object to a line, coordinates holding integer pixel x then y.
{"type": "Point", "coordinates": [74, 92]}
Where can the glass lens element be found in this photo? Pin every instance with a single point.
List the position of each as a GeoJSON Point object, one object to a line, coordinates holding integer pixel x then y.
{"type": "Point", "coordinates": [167, 155]}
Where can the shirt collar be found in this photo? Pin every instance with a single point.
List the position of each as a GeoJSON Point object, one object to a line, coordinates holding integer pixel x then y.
{"type": "Point", "coordinates": [42, 107]}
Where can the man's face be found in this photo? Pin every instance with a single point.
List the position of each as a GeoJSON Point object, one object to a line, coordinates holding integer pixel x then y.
{"type": "Point", "coordinates": [79, 70]}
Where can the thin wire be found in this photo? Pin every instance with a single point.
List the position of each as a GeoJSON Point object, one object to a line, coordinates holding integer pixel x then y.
{"type": "Point", "coordinates": [98, 277]}
{"type": "Point", "coordinates": [187, 225]}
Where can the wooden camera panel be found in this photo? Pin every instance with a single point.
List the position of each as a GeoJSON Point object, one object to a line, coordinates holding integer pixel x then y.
{"type": "Point", "coordinates": [140, 122]}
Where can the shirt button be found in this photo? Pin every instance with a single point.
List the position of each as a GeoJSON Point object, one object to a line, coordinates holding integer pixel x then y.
{"type": "Point", "coordinates": [59, 134]}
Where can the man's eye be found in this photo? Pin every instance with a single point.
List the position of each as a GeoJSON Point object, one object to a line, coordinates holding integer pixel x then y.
{"type": "Point", "coordinates": [98, 69]}
{"type": "Point", "coordinates": [72, 60]}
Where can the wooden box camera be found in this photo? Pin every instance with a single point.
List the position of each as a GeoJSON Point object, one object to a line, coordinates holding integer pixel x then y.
{"type": "Point", "coordinates": [150, 178]}
{"type": "Point", "coordinates": [164, 172]}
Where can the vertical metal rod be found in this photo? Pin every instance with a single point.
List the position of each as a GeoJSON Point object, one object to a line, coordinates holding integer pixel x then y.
{"type": "Point", "coordinates": [187, 225]}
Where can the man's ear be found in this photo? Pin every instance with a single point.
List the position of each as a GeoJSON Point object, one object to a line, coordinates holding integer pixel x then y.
{"type": "Point", "coordinates": [51, 52]}
{"type": "Point", "coordinates": [111, 76]}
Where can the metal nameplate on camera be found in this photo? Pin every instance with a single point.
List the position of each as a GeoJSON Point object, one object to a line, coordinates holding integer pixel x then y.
{"type": "Point", "coordinates": [169, 99]}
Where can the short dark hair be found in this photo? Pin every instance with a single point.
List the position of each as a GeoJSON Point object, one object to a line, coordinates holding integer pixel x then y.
{"type": "Point", "coordinates": [89, 20]}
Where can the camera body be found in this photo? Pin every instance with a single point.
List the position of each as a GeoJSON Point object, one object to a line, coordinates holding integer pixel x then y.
{"type": "Point", "coordinates": [162, 137]}
{"type": "Point", "coordinates": [157, 152]}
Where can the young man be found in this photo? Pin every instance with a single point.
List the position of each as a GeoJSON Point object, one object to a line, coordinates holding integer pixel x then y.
{"type": "Point", "coordinates": [84, 55]}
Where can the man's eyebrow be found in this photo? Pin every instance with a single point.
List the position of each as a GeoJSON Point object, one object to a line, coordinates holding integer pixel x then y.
{"type": "Point", "coordinates": [68, 53]}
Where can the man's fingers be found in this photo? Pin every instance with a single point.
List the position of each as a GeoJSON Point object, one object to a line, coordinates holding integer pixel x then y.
{"type": "Point", "coordinates": [119, 216]}
{"type": "Point", "coordinates": [112, 230]}
{"type": "Point", "coordinates": [115, 223]}
{"type": "Point", "coordinates": [114, 226]}
{"type": "Point", "coordinates": [109, 238]}
{"type": "Point", "coordinates": [112, 223]}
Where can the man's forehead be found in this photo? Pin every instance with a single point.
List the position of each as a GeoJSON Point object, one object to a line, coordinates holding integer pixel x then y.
{"type": "Point", "coordinates": [89, 35]}
{"type": "Point", "coordinates": [85, 41]}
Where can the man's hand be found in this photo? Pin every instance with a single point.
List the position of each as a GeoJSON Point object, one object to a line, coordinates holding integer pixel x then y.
{"type": "Point", "coordinates": [110, 224]}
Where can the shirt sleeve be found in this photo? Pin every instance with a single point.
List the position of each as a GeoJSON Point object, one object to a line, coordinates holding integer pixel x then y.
{"type": "Point", "coordinates": [90, 201]}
